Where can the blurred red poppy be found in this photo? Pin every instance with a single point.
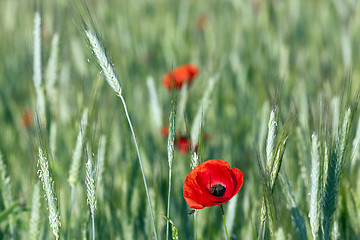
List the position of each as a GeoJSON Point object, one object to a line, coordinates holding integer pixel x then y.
{"type": "Point", "coordinates": [26, 119]}
{"type": "Point", "coordinates": [183, 142]}
{"type": "Point", "coordinates": [183, 145]}
{"type": "Point", "coordinates": [211, 183]}
{"type": "Point", "coordinates": [178, 76]}
{"type": "Point", "coordinates": [165, 132]}
{"type": "Point", "coordinates": [201, 22]}
{"type": "Point", "coordinates": [207, 136]}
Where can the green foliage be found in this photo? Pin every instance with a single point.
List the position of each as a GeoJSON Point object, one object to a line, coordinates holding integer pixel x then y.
{"type": "Point", "coordinates": [174, 230]}
{"type": "Point", "coordinates": [247, 46]}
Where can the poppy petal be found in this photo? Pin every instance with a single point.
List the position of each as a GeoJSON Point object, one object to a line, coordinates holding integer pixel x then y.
{"type": "Point", "coordinates": [216, 175]}
{"type": "Point", "coordinates": [178, 76]}
{"type": "Point", "coordinates": [198, 184]}
{"type": "Point", "coordinates": [238, 179]}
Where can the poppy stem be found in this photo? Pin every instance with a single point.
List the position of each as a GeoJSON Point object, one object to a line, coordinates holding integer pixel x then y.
{"type": "Point", "coordinates": [223, 214]}
{"type": "Point", "coordinates": [195, 217]}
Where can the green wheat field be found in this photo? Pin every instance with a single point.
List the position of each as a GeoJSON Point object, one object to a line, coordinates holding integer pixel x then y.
{"type": "Point", "coordinates": [83, 154]}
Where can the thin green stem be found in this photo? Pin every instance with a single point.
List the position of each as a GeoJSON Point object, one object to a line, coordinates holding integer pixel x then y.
{"type": "Point", "coordinates": [262, 221]}
{"type": "Point", "coordinates": [72, 200]}
{"type": "Point", "coordinates": [168, 206]}
{"type": "Point", "coordinates": [8, 211]}
{"type": "Point", "coordinates": [140, 162]}
{"type": "Point", "coordinates": [72, 197]}
{"type": "Point", "coordinates": [93, 227]}
{"type": "Point", "coordinates": [223, 214]}
{"type": "Point", "coordinates": [12, 230]}
{"type": "Point", "coordinates": [195, 214]}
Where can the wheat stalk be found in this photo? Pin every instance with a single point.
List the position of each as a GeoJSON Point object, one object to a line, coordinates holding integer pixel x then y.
{"type": "Point", "coordinates": [90, 187]}
{"type": "Point", "coordinates": [335, 116]}
{"type": "Point", "coordinates": [156, 111]}
{"type": "Point", "coordinates": [336, 164]}
{"type": "Point", "coordinates": [51, 90]}
{"type": "Point", "coordinates": [37, 77]}
{"type": "Point", "coordinates": [50, 73]}
{"type": "Point", "coordinates": [314, 213]}
{"type": "Point", "coordinates": [194, 160]}
{"type": "Point", "coordinates": [50, 196]}
{"type": "Point", "coordinates": [170, 148]}
{"type": "Point", "coordinates": [196, 127]}
{"type": "Point", "coordinates": [171, 136]}
{"type": "Point", "coordinates": [52, 137]}
{"type": "Point", "coordinates": [100, 165]}
{"type": "Point", "coordinates": [37, 51]}
{"type": "Point", "coordinates": [114, 83]}
{"type": "Point", "coordinates": [75, 164]}
{"type": "Point", "coordinates": [296, 217]}
{"type": "Point", "coordinates": [34, 229]}
{"type": "Point", "coordinates": [263, 127]}
{"type": "Point", "coordinates": [271, 141]}
{"type": "Point", "coordinates": [90, 190]}
{"type": "Point", "coordinates": [103, 61]}
{"type": "Point", "coordinates": [275, 149]}
{"type": "Point", "coordinates": [356, 147]}
{"type": "Point", "coordinates": [6, 193]}
{"type": "Point", "coordinates": [231, 214]}
{"type": "Point", "coordinates": [5, 184]}
{"type": "Point", "coordinates": [277, 162]}
{"type": "Point", "coordinates": [270, 149]}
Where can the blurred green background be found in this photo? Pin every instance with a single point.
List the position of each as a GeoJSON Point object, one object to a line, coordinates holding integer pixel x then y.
{"type": "Point", "coordinates": [306, 52]}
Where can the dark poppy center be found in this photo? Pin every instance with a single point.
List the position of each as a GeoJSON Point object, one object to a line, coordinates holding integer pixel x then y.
{"type": "Point", "coordinates": [218, 190]}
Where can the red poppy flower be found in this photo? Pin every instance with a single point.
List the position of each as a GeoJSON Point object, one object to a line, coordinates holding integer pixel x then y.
{"type": "Point", "coordinates": [177, 77]}
{"type": "Point", "coordinates": [211, 183]}
{"type": "Point", "coordinates": [165, 132]}
{"type": "Point", "coordinates": [26, 119]}
{"type": "Point", "coordinates": [183, 145]}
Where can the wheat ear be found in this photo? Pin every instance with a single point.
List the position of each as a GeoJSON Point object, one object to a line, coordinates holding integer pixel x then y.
{"type": "Point", "coordinates": [314, 213]}
{"type": "Point", "coordinates": [6, 193]}
{"type": "Point", "coordinates": [48, 186]}
{"type": "Point", "coordinates": [37, 78]}
{"type": "Point", "coordinates": [114, 83]}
